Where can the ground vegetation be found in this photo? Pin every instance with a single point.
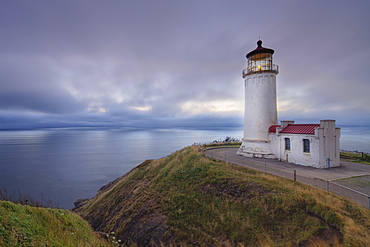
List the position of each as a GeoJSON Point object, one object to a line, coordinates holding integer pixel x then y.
{"type": "Point", "coordinates": [188, 199]}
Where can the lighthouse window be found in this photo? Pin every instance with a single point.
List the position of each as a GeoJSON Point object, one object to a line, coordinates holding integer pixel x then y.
{"type": "Point", "coordinates": [258, 62]}
{"type": "Point", "coordinates": [306, 145]}
{"type": "Point", "coordinates": [287, 143]}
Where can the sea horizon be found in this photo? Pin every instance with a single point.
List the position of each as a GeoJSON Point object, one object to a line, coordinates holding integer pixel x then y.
{"type": "Point", "coordinates": [353, 137]}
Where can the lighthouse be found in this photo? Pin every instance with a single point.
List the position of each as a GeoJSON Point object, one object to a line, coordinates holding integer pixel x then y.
{"type": "Point", "coordinates": [315, 145]}
{"type": "Point", "coordinates": [260, 102]}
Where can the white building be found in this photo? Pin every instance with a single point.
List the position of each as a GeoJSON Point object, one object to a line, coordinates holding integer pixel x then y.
{"type": "Point", "coordinates": [315, 145]}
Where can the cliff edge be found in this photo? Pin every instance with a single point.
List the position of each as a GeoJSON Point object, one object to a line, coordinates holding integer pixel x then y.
{"type": "Point", "coordinates": [189, 199]}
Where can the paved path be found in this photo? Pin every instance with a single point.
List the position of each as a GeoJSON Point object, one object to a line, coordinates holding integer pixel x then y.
{"type": "Point", "coordinates": [323, 178]}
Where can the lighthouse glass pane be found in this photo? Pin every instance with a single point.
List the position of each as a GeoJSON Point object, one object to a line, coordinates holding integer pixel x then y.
{"type": "Point", "coordinates": [260, 62]}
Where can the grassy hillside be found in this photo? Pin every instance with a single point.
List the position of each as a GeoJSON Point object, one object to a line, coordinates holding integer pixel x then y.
{"type": "Point", "coordinates": [190, 199]}
{"type": "Point", "coordinates": [31, 226]}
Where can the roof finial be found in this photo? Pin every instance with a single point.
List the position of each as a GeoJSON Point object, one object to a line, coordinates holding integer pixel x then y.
{"type": "Point", "coordinates": [259, 43]}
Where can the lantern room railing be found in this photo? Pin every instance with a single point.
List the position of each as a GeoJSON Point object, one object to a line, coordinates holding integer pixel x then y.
{"type": "Point", "coordinates": [251, 70]}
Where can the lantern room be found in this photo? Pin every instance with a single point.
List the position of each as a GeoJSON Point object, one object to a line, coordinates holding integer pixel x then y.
{"type": "Point", "coordinates": [260, 60]}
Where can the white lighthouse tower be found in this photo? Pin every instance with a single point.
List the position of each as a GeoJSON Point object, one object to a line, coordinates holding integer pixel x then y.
{"type": "Point", "coordinates": [260, 102]}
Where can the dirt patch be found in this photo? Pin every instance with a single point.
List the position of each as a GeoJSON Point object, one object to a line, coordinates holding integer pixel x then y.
{"type": "Point", "coordinates": [147, 227]}
{"type": "Point", "coordinates": [327, 236]}
{"type": "Point", "coordinates": [241, 192]}
{"type": "Point", "coordinates": [134, 216]}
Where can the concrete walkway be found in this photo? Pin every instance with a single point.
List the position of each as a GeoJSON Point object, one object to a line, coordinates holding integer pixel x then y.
{"type": "Point", "coordinates": [322, 178]}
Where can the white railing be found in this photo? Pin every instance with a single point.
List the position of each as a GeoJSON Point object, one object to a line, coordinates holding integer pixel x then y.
{"type": "Point", "coordinates": [274, 68]}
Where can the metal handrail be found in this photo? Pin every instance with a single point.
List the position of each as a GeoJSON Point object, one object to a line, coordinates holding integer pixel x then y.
{"type": "Point", "coordinates": [274, 68]}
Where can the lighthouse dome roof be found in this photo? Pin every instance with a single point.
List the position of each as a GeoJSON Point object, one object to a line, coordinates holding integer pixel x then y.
{"type": "Point", "coordinates": [260, 49]}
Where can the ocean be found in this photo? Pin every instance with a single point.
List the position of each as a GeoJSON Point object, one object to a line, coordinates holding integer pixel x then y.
{"type": "Point", "coordinates": [63, 165]}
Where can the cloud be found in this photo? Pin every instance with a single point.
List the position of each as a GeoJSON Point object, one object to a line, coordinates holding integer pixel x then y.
{"type": "Point", "coordinates": [28, 83]}
{"type": "Point", "coordinates": [133, 63]}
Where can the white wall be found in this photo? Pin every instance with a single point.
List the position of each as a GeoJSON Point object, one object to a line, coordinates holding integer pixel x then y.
{"type": "Point", "coordinates": [296, 154]}
{"type": "Point", "coordinates": [329, 144]}
{"type": "Point", "coordinates": [260, 113]}
{"type": "Point", "coordinates": [324, 146]}
{"type": "Point", "coordinates": [260, 105]}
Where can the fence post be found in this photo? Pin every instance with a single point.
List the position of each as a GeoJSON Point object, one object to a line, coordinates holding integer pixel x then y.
{"type": "Point", "coordinates": [369, 201]}
{"type": "Point", "coordinates": [327, 185]}
{"type": "Point", "coordinates": [295, 175]}
{"type": "Point", "coordinates": [265, 168]}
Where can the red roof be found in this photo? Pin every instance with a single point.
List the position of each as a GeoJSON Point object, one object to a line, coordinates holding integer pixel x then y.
{"type": "Point", "coordinates": [300, 129]}
{"type": "Point", "coordinates": [260, 49]}
{"type": "Point", "coordinates": [273, 128]}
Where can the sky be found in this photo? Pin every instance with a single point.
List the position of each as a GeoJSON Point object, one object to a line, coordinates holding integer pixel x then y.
{"type": "Point", "coordinates": [159, 64]}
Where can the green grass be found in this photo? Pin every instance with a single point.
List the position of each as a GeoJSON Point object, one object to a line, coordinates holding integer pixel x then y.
{"type": "Point", "coordinates": [33, 226]}
{"type": "Point", "coordinates": [196, 200]}
{"type": "Point", "coordinates": [222, 144]}
{"type": "Point", "coordinates": [360, 181]}
{"type": "Point", "coordinates": [362, 158]}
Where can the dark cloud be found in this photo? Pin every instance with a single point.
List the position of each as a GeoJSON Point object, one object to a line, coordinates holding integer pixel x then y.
{"type": "Point", "coordinates": [29, 83]}
{"type": "Point", "coordinates": [106, 63]}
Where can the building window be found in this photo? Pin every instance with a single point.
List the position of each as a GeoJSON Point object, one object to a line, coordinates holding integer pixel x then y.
{"type": "Point", "coordinates": [306, 145]}
{"type": "Point", "coordinates": [287, 143]}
